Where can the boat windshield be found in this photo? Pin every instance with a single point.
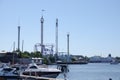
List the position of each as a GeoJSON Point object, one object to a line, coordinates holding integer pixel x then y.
{"type": "Point", "coordinates": [33, 67]}
{"type": "Point", "coordinates": [7, 69]}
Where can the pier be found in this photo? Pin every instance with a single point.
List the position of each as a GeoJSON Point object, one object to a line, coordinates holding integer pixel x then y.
{"type": "Point", "coordinates": [25, 77]}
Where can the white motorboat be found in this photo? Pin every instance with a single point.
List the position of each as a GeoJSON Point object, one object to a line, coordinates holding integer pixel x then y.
{"type": "Point", "coordinates": [9, 73]}
{"type": "Point", "coordinates": [35, 70]}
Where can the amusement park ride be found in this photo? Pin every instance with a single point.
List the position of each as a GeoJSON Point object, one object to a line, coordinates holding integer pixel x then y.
{"type": "Point", "coordinates": [47, 49]}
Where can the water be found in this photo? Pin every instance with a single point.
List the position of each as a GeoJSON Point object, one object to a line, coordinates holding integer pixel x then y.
{"type": "Point", "coordinates": [93, 71]}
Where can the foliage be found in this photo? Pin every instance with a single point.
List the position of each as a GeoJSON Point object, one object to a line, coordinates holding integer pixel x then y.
{"type": "Point", "coordinates": [36, 54]}
{"type": "Point", "coordinates": [117, 58]}
{"type": "Point", "coordinates": [19, 54]}
{"type": "Point", "coordinates": [49, 58]}
{"type": "Point", "coordinates": [52, 59]}
{"type": "Point", "coordinates": [45, 60]}
{"type": "Point", "coordinates": [86, 58]}
{"type": "Point", "coordinates": [73, 59]}
{"type": "Point", "coordinates": [25, 54]}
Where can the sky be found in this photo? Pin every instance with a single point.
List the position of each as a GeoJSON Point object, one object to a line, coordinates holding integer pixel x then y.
{"type": "Point", "coordinates": [93, 25]}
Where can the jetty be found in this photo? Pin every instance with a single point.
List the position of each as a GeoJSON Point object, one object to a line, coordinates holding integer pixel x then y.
{"type": "Point", "coordinates": [26, 77]}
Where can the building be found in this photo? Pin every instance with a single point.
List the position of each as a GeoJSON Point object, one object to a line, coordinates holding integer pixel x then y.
{"type": "Point", "coordinates": [99, 59]}
{"type": "Point", "coordinates": [8, 57]}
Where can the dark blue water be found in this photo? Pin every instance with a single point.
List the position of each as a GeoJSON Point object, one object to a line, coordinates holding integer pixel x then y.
{"type": "Point", "coordinates": [93, 71]}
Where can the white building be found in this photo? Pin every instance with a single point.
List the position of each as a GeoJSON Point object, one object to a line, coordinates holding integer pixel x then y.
{"type": "Point", "coordinates": [95, 59]}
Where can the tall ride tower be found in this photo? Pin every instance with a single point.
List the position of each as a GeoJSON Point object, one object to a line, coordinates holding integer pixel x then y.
{"type": "Point", "coordinates": [56, 52]}
{"type": "Point", "coordinates": [68, 48]}
{"type": "Point", "coordinates": [18, 38]}
{"type": "Point", "coordinates": [42, 21]}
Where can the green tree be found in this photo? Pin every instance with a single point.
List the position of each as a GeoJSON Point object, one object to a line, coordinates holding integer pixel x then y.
{"type": "Point", "coordinates": [52, 59]}
{"type": "Point", "coordinates": [19, 54]}
{"type": "Point", "coordinates": [25, 54]}
{"type": "Point", "coordinates": [45, 60]}
{"type": "Point", "coordinates": [36, 54]}
{"type": "Point", "coordinates": [73, 59]}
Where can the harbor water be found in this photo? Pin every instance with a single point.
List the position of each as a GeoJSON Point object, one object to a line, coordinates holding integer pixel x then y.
{"type": "Point", "coordinates": [92, 71]}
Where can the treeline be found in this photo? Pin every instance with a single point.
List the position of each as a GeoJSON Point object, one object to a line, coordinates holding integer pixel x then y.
{"type": "Point", "coordinates": [27, 54]}
{"type": "Point", "coordinates": [51, 58]}
{"type": "Point", "coordinates": [47, 58]}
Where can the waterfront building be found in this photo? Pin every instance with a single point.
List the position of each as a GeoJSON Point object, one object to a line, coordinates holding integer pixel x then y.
{"type": "Point", "coordinates": [99, 59]}
{"type": "Point", "coordinates": [8, 57]}
{"type": "Point", "coordinates": [95, 59]}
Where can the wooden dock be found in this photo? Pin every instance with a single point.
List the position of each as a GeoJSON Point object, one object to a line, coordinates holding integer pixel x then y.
{"type": "Point", "coordinates": [26, 77]}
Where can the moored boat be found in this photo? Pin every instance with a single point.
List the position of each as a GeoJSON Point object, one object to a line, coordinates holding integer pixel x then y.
{"type": "Point", "coordinates": [9, 73]}
{"type": "Point", "coordinates": [35, 70]}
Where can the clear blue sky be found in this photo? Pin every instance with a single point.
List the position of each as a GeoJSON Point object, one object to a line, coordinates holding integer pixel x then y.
{"type": "Point", "coordinates": [94, 25]}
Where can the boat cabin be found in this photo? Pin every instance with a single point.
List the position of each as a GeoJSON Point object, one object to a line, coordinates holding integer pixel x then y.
{"type": "Point", "coordinates": [38, 61]}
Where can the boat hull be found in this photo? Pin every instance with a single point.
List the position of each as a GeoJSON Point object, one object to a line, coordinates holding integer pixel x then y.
{"type": "Point", "coordinates": [42, 74]}
{"type": "Point", "coordinates": [9, 77]}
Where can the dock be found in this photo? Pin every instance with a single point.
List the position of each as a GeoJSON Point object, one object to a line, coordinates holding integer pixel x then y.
{"type": "Point", "coordinates": [27, 77]}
